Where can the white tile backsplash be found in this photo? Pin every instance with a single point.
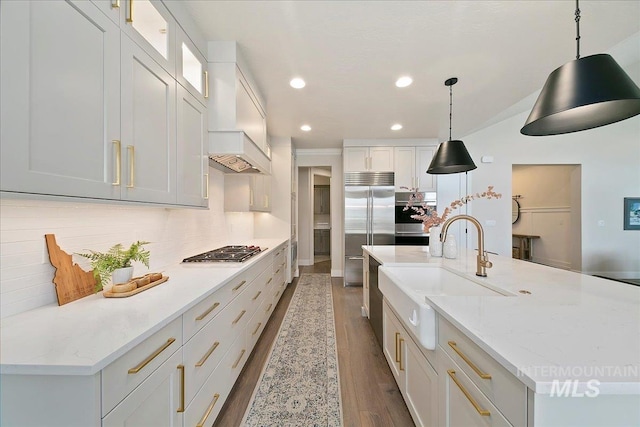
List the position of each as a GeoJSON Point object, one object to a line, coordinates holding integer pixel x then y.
{"type": "Point", "coordinates": [175, 233]}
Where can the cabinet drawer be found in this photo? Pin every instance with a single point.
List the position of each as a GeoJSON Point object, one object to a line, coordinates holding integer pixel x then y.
{"type": "Point", "coordinates": [504, 390]}
{"type": "Point", "coordinates": [155, 402]}
{"type": "Point", "coordinates": [208, 402]}
{"type": "Point", "coordinates": [465, 405]}
{"type": "Point", "coordinates": [198, 316]}
{"type": "Point", "coordinates": [256, 324]}
{"type": "Point", "coordinates": [127, 372]}
{"type": "Point", "coordinates": [205, 350]}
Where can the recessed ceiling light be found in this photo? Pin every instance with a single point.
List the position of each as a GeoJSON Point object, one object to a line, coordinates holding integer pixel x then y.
{"type": "Point", "coordinates": [297, 83]}
{"type": "Point", "coordinates": [396, 126]}
{"type": "Point", "coordinates": [404, 81]}
{"type": "Point", "coordinates": [305, 128]}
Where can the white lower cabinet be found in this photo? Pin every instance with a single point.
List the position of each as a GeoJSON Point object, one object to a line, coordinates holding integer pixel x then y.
{"type": "Point", "coordinates": [158, 401]}
{"type": "Point", "coordinates": [412, 370]}
{"type": "Point", "coordinates": [464, 405]}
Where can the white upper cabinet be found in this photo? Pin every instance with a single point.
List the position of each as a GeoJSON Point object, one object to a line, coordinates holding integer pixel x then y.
{"type": "Point", "coordinates": [148, 155]}
{"type": "Point", "coordinates": [151, 26]}
{"type": "Point", "coordinates": [247, 193]}
{"type": "Point", "coordinates": [373, 159]}
{"type": "Point", "coordinates": [60, 108]}
{"type": "Point", "coordinates": [191, 67]}
{"type": "Point", "coordinates": [192, 162]}
{"type": "Point", "coordinates": [410, 166]}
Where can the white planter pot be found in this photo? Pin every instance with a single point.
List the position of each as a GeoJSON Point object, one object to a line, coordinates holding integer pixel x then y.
{"type": "Point", "coordinates": [121, 275]}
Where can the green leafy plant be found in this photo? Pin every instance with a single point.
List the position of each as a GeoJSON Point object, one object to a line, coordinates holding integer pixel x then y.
{"type": "Point", "coordinates": [105, 263]}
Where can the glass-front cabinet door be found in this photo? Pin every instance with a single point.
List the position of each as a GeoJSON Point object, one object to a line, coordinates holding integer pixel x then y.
{"type": "Point", "coordinates": [191, 67]}
{"type": "Point", "coordinates": [150, 25]}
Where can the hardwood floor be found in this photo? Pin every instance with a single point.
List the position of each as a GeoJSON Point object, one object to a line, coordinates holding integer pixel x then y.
{"type": "Point", "coordinates": [370, 396]}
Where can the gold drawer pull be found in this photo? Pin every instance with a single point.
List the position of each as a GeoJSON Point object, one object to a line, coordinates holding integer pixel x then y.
{"type": "Point", "coordinates": [206, 84]}
{"type": "Point", "coordinates": [277, 271]}
{"type": "Point", "coordinates": [130, 18]}
{"type": "Point", "coordinates": [181, 408]}
{"type": "Point", "coordinates": [269, 308]}
{"type": "Point", "coordinates": [481, 374]}
{"type": "Point", "coordinates": [117, 148]}
{"type": "Point", "coordinates": [400, 348]}
{"type": "Point", "coordinates": [206, 356]}
{"type": "Point", "coordinates": [256, 297]}
{"type": "Point", "coordinates": [235, 365]}
{"type": "Point", "coordinates": [257, 327]}
{"type": "Point", "coordinates": [152, 356]}
{"type": "Point", "coordinates": [239, 317]}
{"type": "Point", "coordinates": [239, 285]}
{"type": "Point", "coordinates": [209, 409]}
{"type": "Point", "coordinates": [269, 281]}
{"type": "Point", "coordinates": [481, 411]}
{"type": "Point", "coordinates": [209, 310]}
{"type": "Point", "coordinates": [397, 357]}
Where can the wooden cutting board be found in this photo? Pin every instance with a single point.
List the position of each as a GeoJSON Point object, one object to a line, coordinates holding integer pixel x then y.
{"type": "Point", "coordinates": [71, 281]}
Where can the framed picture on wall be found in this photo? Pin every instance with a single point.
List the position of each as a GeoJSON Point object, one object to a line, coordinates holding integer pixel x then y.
{"type": "Point", "coordinates": [632, 213]}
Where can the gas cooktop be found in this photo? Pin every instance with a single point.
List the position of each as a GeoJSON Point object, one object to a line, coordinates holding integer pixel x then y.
{"type": "Point", "coordinates": [226, 254]}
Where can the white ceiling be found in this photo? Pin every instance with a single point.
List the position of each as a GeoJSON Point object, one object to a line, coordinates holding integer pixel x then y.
{"type": "Point", "coordinates": [351, 52]}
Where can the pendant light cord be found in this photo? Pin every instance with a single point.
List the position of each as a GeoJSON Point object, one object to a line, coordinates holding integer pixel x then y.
{"type": "Point", "coordinates": [577, 30]}
{"type": "Point", "coordinates": [450, 109]}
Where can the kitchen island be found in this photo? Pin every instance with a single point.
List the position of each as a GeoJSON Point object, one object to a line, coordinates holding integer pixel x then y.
{"type": "Point", "coordinates": [118, 361]}
{"type": "Point", "coordinates": [571, 340]}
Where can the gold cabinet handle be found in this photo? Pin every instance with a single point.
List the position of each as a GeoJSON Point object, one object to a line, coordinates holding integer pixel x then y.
{"type": "Point", "coordinates": [132, 164]}
{"type": "Point", "coordinates": [207, 311]}
{"type": "Point", "coordinates": [115, 4]}
{"type": "Point", "coordinates": [239, 285]}
{"type": "Point", "coordinates": [400, 348]}
{"type": "Point", "coordinates": [181, 408]}
{"type": "Point", "coordinates": [239, 317]}
{"type": "Point", "coordinates": [256, 330]}
{"type": "Point", "coordinates": [208, 412]}
{"type": "Point", "coordinates": [235, 365]}
{"type": "Point", "coordinates": [269, 281]}
{"type": "Point", "coordinates": [472, 365]}
{"type": "Point", "coordinates": [206, 84]}
{"type": "Point", "coordinates": [250, 197]}
{"type": "Point", "coordinates": [117, 149]}
{"type": "Point", "coordinates": [269, 308]}
{"type": "Point", "coordinates": [397, 357]}
{"type": "Point", "coordinates": [256, 297]}
{"type": "Point", "coordinates": [277, 271]}
{"type": "Point", "coordinates": [478, 408]}
{"type": "Point", "coordinates": [206, 186]}
{"type": "Point", "coordinates": [206, 356]}
{"type": "Point", "coordinates": [152, 356]}
{"type": "Point", "coordinates": [130, 18]}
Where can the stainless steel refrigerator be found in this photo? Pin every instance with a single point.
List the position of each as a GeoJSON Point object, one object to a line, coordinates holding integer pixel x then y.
{"type": "Point", "coordinates": [369, 218]}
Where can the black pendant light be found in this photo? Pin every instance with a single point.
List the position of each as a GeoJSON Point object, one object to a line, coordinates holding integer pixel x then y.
{"type": "Point", "coordinates": [451, 156]}
{"type": "Point", "coordinates": [583, 94]}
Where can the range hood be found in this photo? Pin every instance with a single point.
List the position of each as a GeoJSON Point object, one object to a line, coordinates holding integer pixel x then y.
{"type": "Point", "coordinates": [235, 152]}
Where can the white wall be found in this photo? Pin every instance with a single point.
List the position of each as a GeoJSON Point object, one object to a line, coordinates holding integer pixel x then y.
{"type": "Point", "coordinates": [25, 271]}
{"type": "Point", "coordinates": [332, 158]}
{"type": "Point", "coordinates": [609, 157]}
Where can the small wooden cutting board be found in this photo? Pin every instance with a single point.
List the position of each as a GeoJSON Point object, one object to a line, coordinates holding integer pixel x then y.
{"type": "Point", "coordinates": [71, 281]}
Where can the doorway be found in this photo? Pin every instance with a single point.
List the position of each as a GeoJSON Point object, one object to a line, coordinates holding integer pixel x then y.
{"type": "Point", "coordinates": [546, 221]}
{"type": "Point", "coordinates": [314, 207]}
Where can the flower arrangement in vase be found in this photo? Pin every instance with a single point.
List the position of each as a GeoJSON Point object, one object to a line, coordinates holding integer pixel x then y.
{"type": "Point", "coordinates": [429, 216]}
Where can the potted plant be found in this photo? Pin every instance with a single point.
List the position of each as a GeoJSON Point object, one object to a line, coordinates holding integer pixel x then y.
{"type": "Point", "coordinates": [116, 262]}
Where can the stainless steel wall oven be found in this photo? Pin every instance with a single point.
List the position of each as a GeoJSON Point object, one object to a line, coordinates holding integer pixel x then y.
{"type": "Point", "coordinates": [409, 231]}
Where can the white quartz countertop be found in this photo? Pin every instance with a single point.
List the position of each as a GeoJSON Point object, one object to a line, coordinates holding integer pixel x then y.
{"type": "Point", "coordinates": [84, 336]}
{"type": "Point", "coordinates": [571, 326]}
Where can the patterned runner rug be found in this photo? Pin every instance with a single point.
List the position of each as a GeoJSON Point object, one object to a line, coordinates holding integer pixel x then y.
{"type": "Point", "coordinates": [300, 385]}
